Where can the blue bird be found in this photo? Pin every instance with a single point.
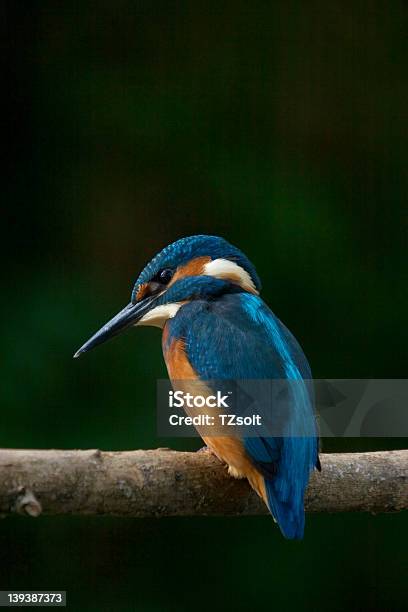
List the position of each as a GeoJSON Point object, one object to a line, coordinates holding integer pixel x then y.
{"type": "Point", "coordinates": [204, 294]}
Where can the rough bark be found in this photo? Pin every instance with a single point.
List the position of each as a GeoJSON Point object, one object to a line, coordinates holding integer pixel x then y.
{"type": "Point", "coordinates": [155, 483]}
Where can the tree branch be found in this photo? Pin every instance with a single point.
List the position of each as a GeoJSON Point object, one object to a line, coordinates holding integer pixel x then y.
{"type": "Point", "coordinates": [168, 483]}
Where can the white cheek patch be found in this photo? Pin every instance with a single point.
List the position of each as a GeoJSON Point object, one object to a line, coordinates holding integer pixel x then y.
{"type": "Point", "coordinates": [158, 316]}
{"type": "Point", "coordinates": [229, 270]}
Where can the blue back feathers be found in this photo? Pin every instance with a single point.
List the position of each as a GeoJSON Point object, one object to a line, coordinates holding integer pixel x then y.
{"type": "Point", "coordinates": [236, 336]}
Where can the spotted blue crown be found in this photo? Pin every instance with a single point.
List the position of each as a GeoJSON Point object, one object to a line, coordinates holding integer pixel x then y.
{"type": "Point", "coordinates": [184, 250]}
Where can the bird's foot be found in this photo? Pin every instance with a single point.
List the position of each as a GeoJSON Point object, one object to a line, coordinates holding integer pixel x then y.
{"type": "Point", "coordinates": [206, 449]}
{"type": "Point", "coordinates": [232, 471]}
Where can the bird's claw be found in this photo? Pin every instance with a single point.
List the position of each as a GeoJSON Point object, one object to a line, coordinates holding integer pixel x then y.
{"type": "Point", "coordinates": [206, 449]}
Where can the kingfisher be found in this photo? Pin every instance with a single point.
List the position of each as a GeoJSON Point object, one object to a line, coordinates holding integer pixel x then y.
{"type": "Point", "coordinates": [204, 293]}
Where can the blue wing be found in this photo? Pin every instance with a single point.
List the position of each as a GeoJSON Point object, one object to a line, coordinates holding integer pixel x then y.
{"type": "Point", "coordinates": [238, 337]}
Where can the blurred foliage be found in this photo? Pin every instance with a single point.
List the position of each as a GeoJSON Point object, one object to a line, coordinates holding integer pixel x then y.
{"type": "Point", "coordinates": [282, 127]}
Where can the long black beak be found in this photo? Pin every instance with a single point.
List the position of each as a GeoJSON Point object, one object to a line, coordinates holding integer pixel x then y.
{"type": "Point", "coordinates": [127, 317]}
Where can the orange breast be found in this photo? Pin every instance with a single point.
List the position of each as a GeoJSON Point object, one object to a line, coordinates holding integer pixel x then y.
{"type": "Point", "coordinates": [228, 449]}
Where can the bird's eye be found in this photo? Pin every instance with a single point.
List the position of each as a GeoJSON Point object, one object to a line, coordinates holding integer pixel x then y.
{"type": "Point", "coordinates": [165, 276]}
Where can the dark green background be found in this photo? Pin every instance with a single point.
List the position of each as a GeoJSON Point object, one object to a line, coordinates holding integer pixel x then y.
{"type": "Point", "coordinates": [279, 125]}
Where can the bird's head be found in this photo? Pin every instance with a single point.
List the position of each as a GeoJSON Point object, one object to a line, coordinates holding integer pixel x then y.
{"type": "Point", "coordinates": [194, 267]}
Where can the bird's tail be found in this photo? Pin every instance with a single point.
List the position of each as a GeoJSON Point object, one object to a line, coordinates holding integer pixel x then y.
{"type": "Point", "coordinates": [284, 492]}
{"type": "Point", "coordinates": [288, 512]}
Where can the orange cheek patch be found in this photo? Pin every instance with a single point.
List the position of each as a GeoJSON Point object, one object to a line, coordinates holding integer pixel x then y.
{"type": "Point", "coordinates": [142, 291]}
{"type": "Point", "coordinates": [195, 267]}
